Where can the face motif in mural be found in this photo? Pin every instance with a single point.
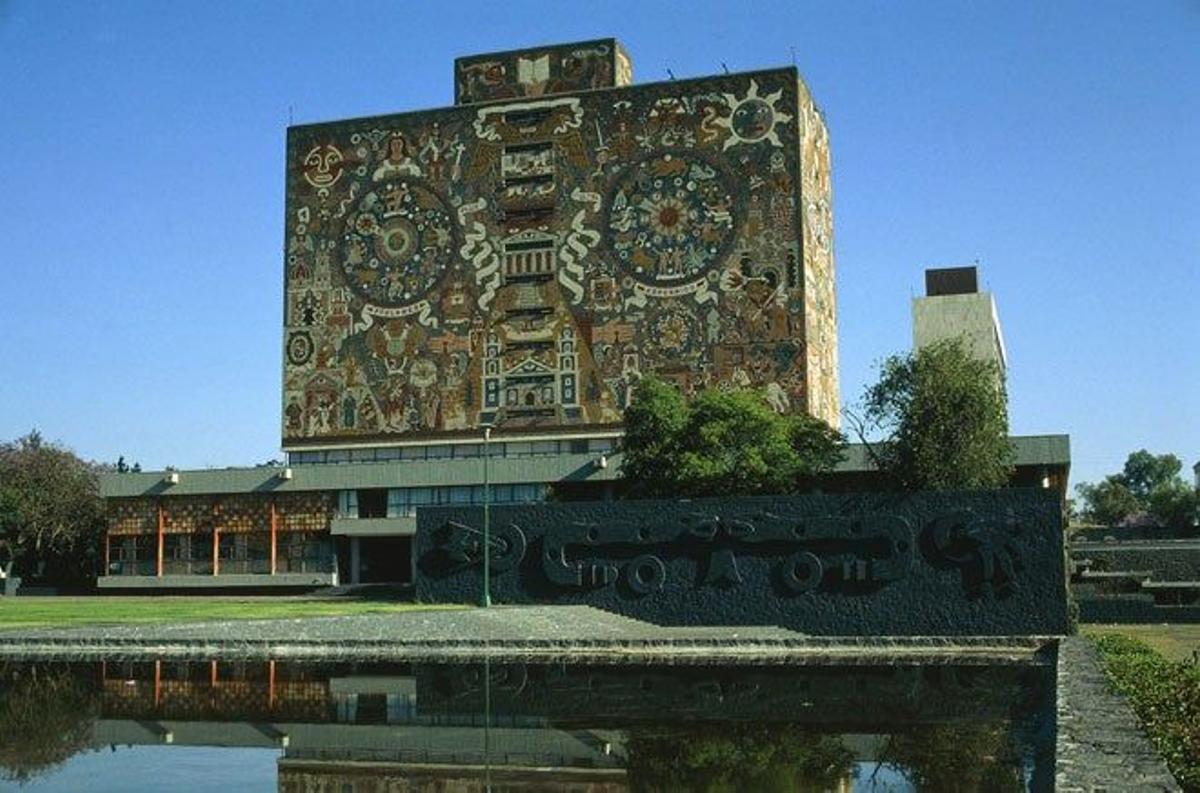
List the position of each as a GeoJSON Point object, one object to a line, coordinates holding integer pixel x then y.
{"type": "Point", "coordinates": [754, 118]}
{"type": "Point", "coordinates": [670, 218]}
{"type": "Point", "coordinates": [323, 166]}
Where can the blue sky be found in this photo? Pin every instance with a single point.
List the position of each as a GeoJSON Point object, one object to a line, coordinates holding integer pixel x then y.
{"type": "Point", "coordinates": [141, 218]}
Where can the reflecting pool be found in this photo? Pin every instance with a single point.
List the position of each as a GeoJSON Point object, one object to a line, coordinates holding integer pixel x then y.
{"type": "Point", "coordinates": [146, 724]}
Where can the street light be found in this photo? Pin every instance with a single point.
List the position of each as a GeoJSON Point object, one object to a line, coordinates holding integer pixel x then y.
{"type": "Point", "coordinates": [485, 599]}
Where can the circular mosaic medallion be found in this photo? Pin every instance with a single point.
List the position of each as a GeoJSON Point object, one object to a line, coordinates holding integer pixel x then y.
{"type": "Point", "coordinates": [398, 243]}
{"type": "Point", "coordinates": [299, 348]}
{"type": "Point", "coordinates": [670, 218]}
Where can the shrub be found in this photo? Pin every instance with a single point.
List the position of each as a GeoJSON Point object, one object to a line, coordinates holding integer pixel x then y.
{"type": "Point", "coordinates": [1165, 695]}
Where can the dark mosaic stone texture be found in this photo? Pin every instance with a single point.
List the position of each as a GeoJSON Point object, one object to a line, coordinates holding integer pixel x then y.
{"type": "Point", "coordinates": [971, 563]}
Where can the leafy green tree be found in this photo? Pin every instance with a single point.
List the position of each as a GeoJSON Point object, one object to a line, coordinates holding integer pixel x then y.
{"type": "Point", "coordinates": [1175, 504]}
{"type": "Point", "coordinates": [1107, 503]}
{"type": "Point", "coordinates": [51, 514]}
{"type": "Point", "coordinates": [1144, 473]}
{"type": "Point", "coordinates": [1149, 486]}
{"type": "Point", "coordinates": [725, 443]}
{"type": "Point", "coordinates": [943, 418]}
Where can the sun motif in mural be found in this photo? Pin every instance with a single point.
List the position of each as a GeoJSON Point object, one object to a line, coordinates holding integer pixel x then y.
{"type": "Point", "coordinates": [753, 118]}
{"type": "Point", "coordinates": [670, 217]}
{"type": "Point", "coordinates": [399, 243]}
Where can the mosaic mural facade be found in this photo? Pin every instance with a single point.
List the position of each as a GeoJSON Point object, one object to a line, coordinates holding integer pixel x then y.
{"type": "Point", "coordinates": [522, 261]}
{"type": "Point", "coordinates": [556, 69]}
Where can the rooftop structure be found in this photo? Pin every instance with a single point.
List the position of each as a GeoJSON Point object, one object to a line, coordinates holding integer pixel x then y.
{"type": "Point", "coordinates": [955, 308]}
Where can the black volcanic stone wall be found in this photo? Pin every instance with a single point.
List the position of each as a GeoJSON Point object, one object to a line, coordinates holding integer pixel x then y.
{"type": "Point", "coordinates": [970, 563]}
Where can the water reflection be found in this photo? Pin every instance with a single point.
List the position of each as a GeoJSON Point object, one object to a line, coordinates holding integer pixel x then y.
{"type": "Point", "coordinates": [365, 727]}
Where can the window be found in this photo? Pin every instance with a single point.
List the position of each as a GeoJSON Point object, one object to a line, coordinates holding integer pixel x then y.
{"type": "Point", "coordinates": [464, 450]}
{"type": "Point", "coordinates": [372, 503]}
{"type": "Point", "coordinates": [421, 496]}
{"type": "Point", "coordinates": [348, 503]}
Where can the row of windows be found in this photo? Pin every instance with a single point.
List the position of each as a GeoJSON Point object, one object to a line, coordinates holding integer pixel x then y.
{"type": "Point", "coordinates": [457, 451]}
{"type": "Point", "coordinates": [400, 502]}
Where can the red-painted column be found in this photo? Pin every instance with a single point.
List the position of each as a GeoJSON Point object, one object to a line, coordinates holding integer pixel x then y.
{"type": "Point", "coordinates": [162, 521]}
{"type": "Point", "coordinates": [274, 541]}
{"type": "Point", "coordinates": [157, 683]}
{"type": "Point", "coordinates": [216, 550]}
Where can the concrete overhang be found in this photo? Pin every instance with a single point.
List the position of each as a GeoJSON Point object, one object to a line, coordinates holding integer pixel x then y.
{"type": "Point", "coordinates": [374, 527]}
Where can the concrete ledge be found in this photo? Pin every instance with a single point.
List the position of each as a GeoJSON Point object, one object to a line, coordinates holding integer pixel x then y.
{"type": "Point", "coordinates": [374, 527]}
{"type": "Point", "coordinates": [1100, 745]}
{"type": "Point", "coordinates": [804, 651]}
{"type": "Point", "coordinates": [241, 580]}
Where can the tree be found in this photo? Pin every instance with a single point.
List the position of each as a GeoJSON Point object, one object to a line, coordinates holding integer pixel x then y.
{"type": "Point", "coordinates": [943, 418]}
{"type": "Point", "coordinates": [1144, 473]}
{"type": "Point", "coordinates": [1107, 503]}
{"type": "Point", "coordinates": [725, 443]}
{"type": "Point", "coordinates": [1150, 486]}
{"type": "Point", "coordinates": [51, 514]}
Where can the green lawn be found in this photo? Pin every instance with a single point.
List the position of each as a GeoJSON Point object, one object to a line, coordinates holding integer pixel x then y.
{"type": "Point", "coordinates": [1176, 642]}
{"type": "Point", "coordinates": [65, 612]}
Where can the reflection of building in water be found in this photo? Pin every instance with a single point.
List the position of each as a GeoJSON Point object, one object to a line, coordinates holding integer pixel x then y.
{"type": "Point", "coordinates": [373, 727]}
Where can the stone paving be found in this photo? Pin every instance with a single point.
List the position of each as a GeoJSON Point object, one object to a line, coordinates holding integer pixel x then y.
{"type": "Point", "coordinates": [1101, 746]}
{"type": "Point", "coordinates": [548, 633]}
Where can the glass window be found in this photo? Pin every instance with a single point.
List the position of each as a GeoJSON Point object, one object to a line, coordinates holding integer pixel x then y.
{"type": "Point", "coordinates": [460, 495]}
{"type": "Point", "coordinates": [437, 452]}
{"type": "Point", "coordinates": [387, 454]}
{"type": "Point", "coordinates": [517, 449]}
{"type": "Point", "coordinates": [363, 455]}
{"type": "Point", "coordinates": [579, 446]}
{"type": "Point", "coordinates": [412, 453]}
{"type": "Point", "coordinates": [545, 447]}
{"type": "Point", "coordinates": [468, 449]}
{"type": "Point", "coordinates": [600, 445]}
{"type": "Point", "coordinates": [339, 456]}
{"type": "Point", "coordinates": [348, 503]}
{"type": "Point", "coordinates": [397, 505]}
{"type": "Point", "coordinates": [418, 496]}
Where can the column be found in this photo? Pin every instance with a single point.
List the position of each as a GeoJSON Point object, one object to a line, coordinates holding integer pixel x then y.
{"type": "Point", "coordinates": [216, 551]}
{"type": "Point", "coordinates": [354, 561]}
{"type": "Point", "coordinates": [162, 520]}
{"type": "Point", "coordinates": [274, 534]}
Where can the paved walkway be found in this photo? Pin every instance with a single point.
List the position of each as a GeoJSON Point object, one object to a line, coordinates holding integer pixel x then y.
{"type": "Point", "coordinates": [1101, 746]}
{"type": "Point", "coordinates": [550, 633]}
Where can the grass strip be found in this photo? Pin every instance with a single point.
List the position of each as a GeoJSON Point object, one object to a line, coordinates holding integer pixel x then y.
{"type": "Point", "coordinates": [72, 612]}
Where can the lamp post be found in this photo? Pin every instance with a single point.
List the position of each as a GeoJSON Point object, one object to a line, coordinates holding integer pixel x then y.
{"type": "Point", "coordinates": [485, 599]}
